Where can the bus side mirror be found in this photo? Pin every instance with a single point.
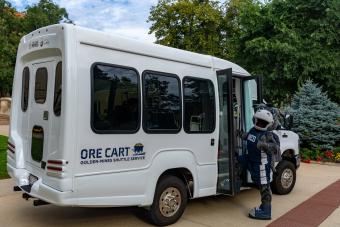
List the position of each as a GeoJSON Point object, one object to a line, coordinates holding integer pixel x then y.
{"type": "Point", "coordinates": [288, 121]}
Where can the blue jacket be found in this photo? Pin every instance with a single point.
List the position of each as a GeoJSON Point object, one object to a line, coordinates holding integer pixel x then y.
{"type": "Point", "coordinates": [254, 154]}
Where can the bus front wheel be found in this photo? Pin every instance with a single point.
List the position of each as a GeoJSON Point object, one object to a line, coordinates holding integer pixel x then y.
{"type": "Point", "coordinates": [284, 178]}
{"type": "Point", "coordinates": [169, 201]}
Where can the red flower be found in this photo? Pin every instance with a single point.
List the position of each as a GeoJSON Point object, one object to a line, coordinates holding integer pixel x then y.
{"type": "Point", "coordinates": [329, 154]}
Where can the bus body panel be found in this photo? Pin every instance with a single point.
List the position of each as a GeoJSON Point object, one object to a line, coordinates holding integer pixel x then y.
{"type": "Point", "coordinates": [199, 144]}
{"type": "Point", "coordinates": [288, 141]}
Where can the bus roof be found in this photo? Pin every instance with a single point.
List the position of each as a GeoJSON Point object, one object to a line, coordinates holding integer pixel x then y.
{"type": "Point", "coordinates": [101, 39]}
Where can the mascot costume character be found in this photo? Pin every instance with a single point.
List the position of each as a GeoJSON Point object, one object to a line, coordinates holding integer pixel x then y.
{"type": "Point", "coordinates": [263, 148]}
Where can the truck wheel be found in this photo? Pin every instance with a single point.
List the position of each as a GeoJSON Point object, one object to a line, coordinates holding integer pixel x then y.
{"type": "Point", "coordinates": [284, 178]}
{"type": "Point", "coordinates": [169, 201]}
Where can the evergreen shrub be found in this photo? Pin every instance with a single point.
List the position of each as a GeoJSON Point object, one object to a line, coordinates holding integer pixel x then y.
{"type": "Point", "coordinates": [315, 117]}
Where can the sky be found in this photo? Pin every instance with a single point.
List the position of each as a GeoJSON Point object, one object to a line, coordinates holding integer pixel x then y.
{"type": "Point", "coordinates": [121, 17]}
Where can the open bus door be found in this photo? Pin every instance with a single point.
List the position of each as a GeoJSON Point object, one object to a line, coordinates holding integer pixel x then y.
{"type": "Point", "coordinates": [237, 96]}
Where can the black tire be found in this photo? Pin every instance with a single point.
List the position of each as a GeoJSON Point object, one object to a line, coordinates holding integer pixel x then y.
{"type": "Point", "coordinates": [164, 184]}
{"type": "Point", "coordinates": [283, 169]}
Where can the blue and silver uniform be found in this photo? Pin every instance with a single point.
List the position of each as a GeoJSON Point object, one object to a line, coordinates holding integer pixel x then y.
{"type": "Point", "coordinates": [259, 162]}
{"type": "Point", "coordinates": [261, 146]}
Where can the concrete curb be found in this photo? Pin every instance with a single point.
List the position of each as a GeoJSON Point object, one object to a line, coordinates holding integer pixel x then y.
{"type": "Point", "coordinates": [4, 130]}
{"type": "Point", "coordinates": [324, 163]}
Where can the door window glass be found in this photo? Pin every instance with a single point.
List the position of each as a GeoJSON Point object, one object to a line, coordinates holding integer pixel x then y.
{"type": "Point", "coordinates": [115, 101]}
{"type": "Point", "coordinates": [223, 183]}
{"type": "Point", "coordinates": [37, 146]}
{"type": "Point", "coordinates": [199, 105]}
{"type": "Point", "coordinates": [250, 98]}
{"type": "Point", "coordinates": [57, 90]}
{"type": "Point", "coordinates": [25, 88]}
{"type": "Point", "coordinates": [162, 103]}
{"type": "Point", "coordinates": [40, 85]}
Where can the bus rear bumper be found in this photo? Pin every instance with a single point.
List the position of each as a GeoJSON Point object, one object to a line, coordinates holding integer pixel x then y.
{"type": "Point", "coordinates": [38, 189]}
{"type": "Point", "coordinates": [41, 191]}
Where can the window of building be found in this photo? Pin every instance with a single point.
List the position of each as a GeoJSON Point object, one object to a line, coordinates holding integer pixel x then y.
{"type": "Point", "coordinates": [199, 105]}
{"type": "Point", "coordinates": [40, 86]}
{"type": "Point", "coordinates": [115, 99]}
{"type": "Point", "coordinates": [25, 88]}
{"type": "Point", "coordinates": [57, 90]}
{"type": "Point", "coordinates": [162, 103]}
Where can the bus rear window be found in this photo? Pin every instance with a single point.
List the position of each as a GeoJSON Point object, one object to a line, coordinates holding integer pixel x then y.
{"type": "Point", "coordinates": [37, 146]}
{"type": "Point", "coordinates": [40, 85]}
{"type": "Point", "coordinates": [115, 99]}
{"type": "Point", "coordinates": [25, 88]}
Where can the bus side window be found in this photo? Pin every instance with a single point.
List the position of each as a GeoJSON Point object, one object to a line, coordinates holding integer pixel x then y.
{"type": "Point", "coordinates": [162, 103]}
{"type": "Point", "coordinates": [25, 88]}
{"type": "Point", "coordinates": [115, 99]}
{"type": "Point", "coordinates": [199, 105]}
{"type": "Point", "coordinates": [57, 90]}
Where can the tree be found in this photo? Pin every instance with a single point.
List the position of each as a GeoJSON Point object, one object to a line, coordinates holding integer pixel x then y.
{"type": "Point", "coordinates": [193, 25]}
{"type": "Point", "coordinates": [315, 117]}
{"type": "Point", "coordinates": [286, 41]}
{"type": "Point", "coordinates": [13, 25]}
{"type": "Point", "coordinates": [10, 33]}
{"type": "Point", "coordinates": [44, 13]}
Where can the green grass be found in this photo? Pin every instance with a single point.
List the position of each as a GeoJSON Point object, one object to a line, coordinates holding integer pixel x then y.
{"type": "Point", "coordinates": [3, 157]}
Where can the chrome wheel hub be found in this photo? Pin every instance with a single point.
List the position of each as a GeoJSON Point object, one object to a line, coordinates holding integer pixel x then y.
{"type": "Point", "coordinates": [170, 201]}
{"type": "Point", "coordinates": [287, 178]}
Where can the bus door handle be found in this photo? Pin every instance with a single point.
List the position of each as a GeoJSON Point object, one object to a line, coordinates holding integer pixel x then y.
{"type": "Point", "coordinates": [212, 142]}
{"type": "Point", "coordinates": [45, 115]}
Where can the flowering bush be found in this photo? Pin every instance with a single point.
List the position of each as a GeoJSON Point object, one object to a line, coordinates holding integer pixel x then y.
{"type": "Point", "coordinates": [337, 157]}
{"type": "Point", "coordinates": [305, 155]}
{"type": "Point", "coordinates": [329, 154]}
{"type": "Point", "coordinates": [319, 155]}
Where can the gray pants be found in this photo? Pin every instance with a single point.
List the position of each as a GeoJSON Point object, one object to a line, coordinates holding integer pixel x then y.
{"type": "Point", "coordinates": [266, 194]}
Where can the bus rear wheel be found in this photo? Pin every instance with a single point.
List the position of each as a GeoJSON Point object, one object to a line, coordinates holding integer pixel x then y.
{"type": "Point", "coordinates": [169, 201]}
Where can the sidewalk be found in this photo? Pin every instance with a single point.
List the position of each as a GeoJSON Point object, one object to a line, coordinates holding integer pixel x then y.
{"type": "Point", "coordinates": [315, 210]}
{"type": "Point", "coordinates": [219, 211]}
{"type": "Point", "coordinates": [4, 129]}
{"type": "Point", "coordinates": [333, 220]}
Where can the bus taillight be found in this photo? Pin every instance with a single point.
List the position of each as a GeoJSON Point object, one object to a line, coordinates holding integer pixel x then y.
{"type": "Point", "coordinates": [56, 168]}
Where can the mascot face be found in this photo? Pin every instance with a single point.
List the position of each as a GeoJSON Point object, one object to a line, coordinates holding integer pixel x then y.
{"type": "Point", "coordinates": [263, 120]}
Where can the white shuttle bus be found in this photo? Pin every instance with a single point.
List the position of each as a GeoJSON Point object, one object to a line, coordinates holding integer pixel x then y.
{"type": "Point", "coordinates": [99, 120]}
